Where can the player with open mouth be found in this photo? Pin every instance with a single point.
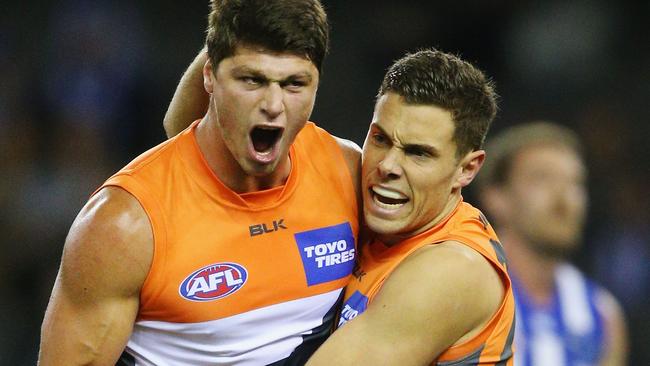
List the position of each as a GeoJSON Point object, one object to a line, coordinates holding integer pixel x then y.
{"type": "Point", "coordinates": [264, 146]}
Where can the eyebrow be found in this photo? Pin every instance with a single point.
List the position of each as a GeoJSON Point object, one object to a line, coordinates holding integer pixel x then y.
{"type": "Point", "coordinates": [406, 147]}
{"type": "Point", "coordinates": [239, 70]}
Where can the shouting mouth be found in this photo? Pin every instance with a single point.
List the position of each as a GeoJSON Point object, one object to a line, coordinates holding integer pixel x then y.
{"type": "Point", "coordinates": [264, 143]}
{"type": "Point", "coordinates": [388, 199]}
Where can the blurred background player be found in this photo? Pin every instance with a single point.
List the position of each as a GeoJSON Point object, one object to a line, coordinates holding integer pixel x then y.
{"type": "Point", "coordinates": [533, 188]}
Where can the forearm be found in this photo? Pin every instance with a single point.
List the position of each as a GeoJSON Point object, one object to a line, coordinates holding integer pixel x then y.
{"type": "Point", "coordinates": [85, 336]}
{"type": "Point", "coordinates": [190, 100]}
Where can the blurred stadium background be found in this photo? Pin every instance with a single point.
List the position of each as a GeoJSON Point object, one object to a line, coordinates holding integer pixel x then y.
{"type": "Point", "coordinates": [84, 86]}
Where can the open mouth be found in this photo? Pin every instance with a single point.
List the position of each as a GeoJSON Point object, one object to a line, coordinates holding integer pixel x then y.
{"type": "Point", "coordinates": [264, 138]}
{"type": "Point", "coordinates": [388, 198]}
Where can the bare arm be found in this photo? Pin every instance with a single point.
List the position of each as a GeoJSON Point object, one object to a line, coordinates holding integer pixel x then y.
{"type": "Point", "coordinates": [190, 100]}
{"type": "Point", "coordinates": [439, 296]}
{"type": "Point", "coordinates": [616, 344]}
{"type": "Point", "coordinates": [95, 299]}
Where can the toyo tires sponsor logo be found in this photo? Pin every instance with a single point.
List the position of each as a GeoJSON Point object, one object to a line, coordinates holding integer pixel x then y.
{"type": "Point", "coordinates": [327, 253]}
{"type": "Point", "coordinates": [213, 282]}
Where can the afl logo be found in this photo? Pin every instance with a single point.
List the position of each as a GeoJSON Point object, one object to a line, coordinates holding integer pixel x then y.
{"type": "Point", "coordinates": [213, 282]}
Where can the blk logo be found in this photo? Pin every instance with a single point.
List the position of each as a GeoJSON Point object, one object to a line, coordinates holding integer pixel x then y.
{"type": "Point", "coordinates": [260, 229]}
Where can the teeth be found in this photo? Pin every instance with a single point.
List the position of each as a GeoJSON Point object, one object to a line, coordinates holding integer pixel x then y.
{"type": "Point", "coordinates": [388, 193]}
{"type": "Point", "coordinates": [387, 206]}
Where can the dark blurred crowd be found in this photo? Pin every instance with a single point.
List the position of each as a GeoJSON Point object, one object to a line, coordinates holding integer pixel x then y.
{"type": "Point", "coordinates": [84, 86]}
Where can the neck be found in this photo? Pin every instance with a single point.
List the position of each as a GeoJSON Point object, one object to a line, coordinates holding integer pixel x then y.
{"type": "Point", "coordinates": [534, 271]}
{"type": "Point", "coordinates": [225, 166]}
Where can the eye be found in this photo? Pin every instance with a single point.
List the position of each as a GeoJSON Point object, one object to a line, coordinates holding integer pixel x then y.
{"type": "Point", "coordinates": [251, 80]}
{"type": "Point", "coordinates": [379, 139]}
{"type": "Point", "coordinates": [417, 152]}
{"type": "Point", "coordinates": [294, 84]}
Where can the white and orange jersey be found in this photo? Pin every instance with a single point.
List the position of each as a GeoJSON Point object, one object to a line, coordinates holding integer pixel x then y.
{"type": "Point", "coordinates": [251, 279]}
{"type": "Point", "coordinates": [467, 225]}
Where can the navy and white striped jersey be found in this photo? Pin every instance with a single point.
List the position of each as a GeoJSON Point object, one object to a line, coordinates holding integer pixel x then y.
{"type": "Point", "coordinates": [568, 331]}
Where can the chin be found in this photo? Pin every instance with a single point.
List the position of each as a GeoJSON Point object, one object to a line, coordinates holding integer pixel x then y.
{"type": "Point", "coordinates": [264, 170]}
{"type": "Point", "coordinates": [389, 231]}
{"type": "Point", "coordinates": [255, 169]}
{"type": "Point", "coordinates": [381, 226]}
{"type": "Point", "coordinates": [557, 248]}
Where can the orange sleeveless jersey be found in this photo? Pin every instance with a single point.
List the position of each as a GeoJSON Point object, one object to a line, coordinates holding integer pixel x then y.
{"type": "Point", "coordinates": [241, 279]}
{"type": "Point", "coordinates": [467, 225]}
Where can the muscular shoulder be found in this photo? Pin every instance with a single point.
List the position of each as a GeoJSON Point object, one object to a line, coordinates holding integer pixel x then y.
{"type": "Point", "coordinates": [453, 285]}
{"type": "Point", "coordinates": [96, 294]}
{"type": "Point", "coordinates": [110, 242]}
{"type": "Point", "coordinates": [455, 269]}
{"type": "Point", "coordinates": [448, 292]}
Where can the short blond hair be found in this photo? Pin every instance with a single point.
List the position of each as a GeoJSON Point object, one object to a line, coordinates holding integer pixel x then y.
{"type": "Point", "coordinates": [501, 149]}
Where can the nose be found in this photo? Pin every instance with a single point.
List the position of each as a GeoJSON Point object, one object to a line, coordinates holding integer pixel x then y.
{"type": "Point", "coordinates": [390, 165]}
{"type": "Point", "coordinates": [273, 101]}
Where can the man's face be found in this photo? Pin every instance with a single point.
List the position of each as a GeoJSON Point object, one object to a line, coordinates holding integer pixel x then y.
{"type": "Point", "coordinates": [546, 198]}
{"type": "Point", "coordinates": [410, 168]}
{"type": "Point", "coordinates": [262, 99]}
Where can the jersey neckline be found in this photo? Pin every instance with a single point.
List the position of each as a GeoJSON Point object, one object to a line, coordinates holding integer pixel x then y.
{"type": "Point", "coordinates": [199, 170]}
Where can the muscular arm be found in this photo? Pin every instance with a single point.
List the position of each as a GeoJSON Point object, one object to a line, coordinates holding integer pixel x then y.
{"type": "Point", "coordinates": [95, 299]}
{"type": "Point", "coordinates": [616, 344]}
{"type": "Point", "coordinates": [440, 295]}
{"type": "Point", "coordinates": [190, 100]}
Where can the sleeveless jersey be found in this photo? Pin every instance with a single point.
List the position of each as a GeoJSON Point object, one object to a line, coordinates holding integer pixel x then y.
{"type": "Point", "coordinates": [566, 332]}
{"type": "Point", "coordinates": [250, 279]}
{"type": "Point", "coordinates": [467, 225]}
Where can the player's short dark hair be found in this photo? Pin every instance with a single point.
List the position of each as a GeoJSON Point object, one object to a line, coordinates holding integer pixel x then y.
{"type": "Point", "coordinates": [294, 26]}
{"type": "Point", "coordinates": [436, 78]}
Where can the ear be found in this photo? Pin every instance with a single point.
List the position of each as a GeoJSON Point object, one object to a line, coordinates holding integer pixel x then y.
{"type": "Point", "coordinates": [208, 77]}
{"type": "Point", "coordinates": [469, 167]}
